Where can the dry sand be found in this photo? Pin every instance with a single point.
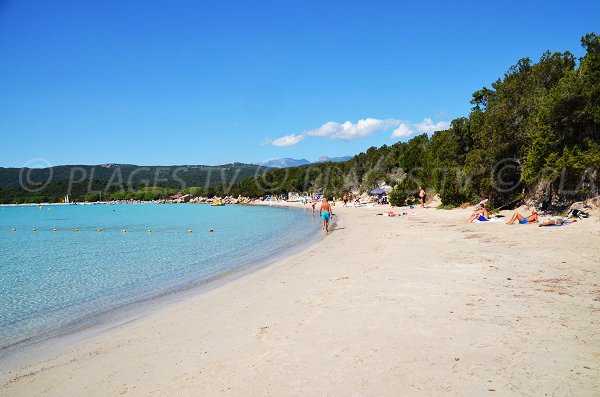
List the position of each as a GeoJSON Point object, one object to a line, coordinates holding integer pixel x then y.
{"type": "Point", "coordinates": [419, 305]}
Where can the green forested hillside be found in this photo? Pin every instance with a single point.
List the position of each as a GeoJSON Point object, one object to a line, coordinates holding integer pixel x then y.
{"type": "Point", "coordinates": [534, 132]}
{"type": "Point", "coordinates": [115, 181]}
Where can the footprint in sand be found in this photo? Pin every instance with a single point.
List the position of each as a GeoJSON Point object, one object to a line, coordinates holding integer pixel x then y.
{"type": "Point", "coordinates": [342, 278]}
{"type": "Point", "coordinates": [262, 331]}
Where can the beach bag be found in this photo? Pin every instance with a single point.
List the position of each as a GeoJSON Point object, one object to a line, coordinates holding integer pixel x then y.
{"type": "Point", "coordinates": [575, 213]}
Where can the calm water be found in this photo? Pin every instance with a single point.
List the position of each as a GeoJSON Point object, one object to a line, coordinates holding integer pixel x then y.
{"type": "Point", "coordinates": [49, 279]}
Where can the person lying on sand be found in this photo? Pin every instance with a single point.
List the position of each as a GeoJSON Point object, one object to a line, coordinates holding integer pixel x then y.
{"type": "Point", "coordinates": [480, 211]}
{"type": "Point", "coordinates": [533, 218]}
{"type": "Point", "coordinates": [557, 222]}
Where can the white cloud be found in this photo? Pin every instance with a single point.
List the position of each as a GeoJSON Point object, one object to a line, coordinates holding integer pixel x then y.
{"type": "Point", "coordinates": [349, 131]}
{"type": "Point", "coordinates": [429, 127]}
{"type": "Point", "coordinates": [288, 140]}
{"type": "Point", "coordinates": [403, 130]}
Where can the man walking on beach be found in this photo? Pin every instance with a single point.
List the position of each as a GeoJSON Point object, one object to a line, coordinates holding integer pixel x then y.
{"type": "Point", "coordinates": [326, 214]}
{"type": "Point", "coordinates": [422, 196]}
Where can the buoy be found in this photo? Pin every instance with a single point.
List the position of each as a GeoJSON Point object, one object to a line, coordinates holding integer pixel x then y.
{"type": "Point", "coordinates": [124, 231]}
{"type": "Point", "coordinates": [210, 231]}
{"type": "Point", "coordinates": [189, 231]}
{"type": "Point", "coordinates": [99, 230]}
{"type": "Point", "coordinates": [14, 230]}
{"type": "Point", "coordinates": [55, 230]}
{"type": "Point", "coordinates": [149, 230]}
{"type": "Point", "coordinates": [48, 208]}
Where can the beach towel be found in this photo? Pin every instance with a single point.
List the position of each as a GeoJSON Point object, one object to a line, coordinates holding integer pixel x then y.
{"type": "Point", "coordinates": [491, 220]}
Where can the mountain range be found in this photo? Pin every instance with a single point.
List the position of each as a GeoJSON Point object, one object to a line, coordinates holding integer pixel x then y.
{"type": "Point", "coordinates": [117, 174]}
{"type": "Point", "coordinates": [289, 162]}
{"type": "Point", "coordinates": [19, 185]}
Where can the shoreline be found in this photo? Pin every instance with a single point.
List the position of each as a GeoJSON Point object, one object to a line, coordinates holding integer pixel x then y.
{"type": "Point", "coordinates": [373, 308]}
{"type": "Point", "coordinates": [59, 338]}
{"type": "Point", "coordinates": [290, 204]}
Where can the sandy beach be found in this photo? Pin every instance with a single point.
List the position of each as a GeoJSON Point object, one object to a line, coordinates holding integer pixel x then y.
{"type": "Point", "coordinates": [423, 304]}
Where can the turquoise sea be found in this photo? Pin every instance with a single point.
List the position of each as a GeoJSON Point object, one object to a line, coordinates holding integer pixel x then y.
{"type": "Point", "coordinates": [51, 281]}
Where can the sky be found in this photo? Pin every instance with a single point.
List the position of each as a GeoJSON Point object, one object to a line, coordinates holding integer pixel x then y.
{"type": "Point", "coordinates": [212, 82]}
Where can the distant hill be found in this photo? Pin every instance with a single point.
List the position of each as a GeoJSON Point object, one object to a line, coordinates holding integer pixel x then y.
{"type": "Point", "coordinates": [327, 159]}
{"type": "Point", "coordinates": [166, 176]}
{"type": "Point", "coordinates": [288, 162]}
{"type": "Point", "coordinates": [80, 180]}
{"type": "Point", "coordinates": [284, 163]}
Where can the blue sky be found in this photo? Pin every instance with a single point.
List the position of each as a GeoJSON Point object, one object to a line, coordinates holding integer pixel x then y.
{"type": "Point", "coordinates": [210, 82]}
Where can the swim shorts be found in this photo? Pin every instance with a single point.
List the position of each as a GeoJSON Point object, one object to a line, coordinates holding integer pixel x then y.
{"type": "Point", "coordinates": [325, 215]}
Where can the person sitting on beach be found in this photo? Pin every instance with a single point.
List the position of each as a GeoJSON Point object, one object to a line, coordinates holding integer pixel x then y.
{"type": "Point", "coordinates": [326, 214]}
{"type": "Point", "coordinates": [533, 218]}
{"type": "Point", "coordinates": [480, 213]}
{"type": "Point", "coordinates": [557, 222]}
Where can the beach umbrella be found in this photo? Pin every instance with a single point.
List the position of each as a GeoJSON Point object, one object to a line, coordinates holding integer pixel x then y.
{"type": "Point", "coordinates": [377, 191]}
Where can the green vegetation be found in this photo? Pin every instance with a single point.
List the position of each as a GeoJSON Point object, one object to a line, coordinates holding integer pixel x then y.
{"type": "Point", "coordinates": [535, 134]}
{"type": "Point", "coordinates": [117, 182]}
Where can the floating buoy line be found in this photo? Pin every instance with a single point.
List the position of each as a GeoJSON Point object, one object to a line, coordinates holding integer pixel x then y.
{"type": "Point", "coordinates": [77, 230]}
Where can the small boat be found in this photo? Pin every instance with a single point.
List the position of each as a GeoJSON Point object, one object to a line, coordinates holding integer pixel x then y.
{"type": "Point", "coordinates": [217, 204]}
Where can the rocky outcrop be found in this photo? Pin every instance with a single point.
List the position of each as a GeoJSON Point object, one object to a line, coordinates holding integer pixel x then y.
{"type": "Point", "coordinates": [550, 196]}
